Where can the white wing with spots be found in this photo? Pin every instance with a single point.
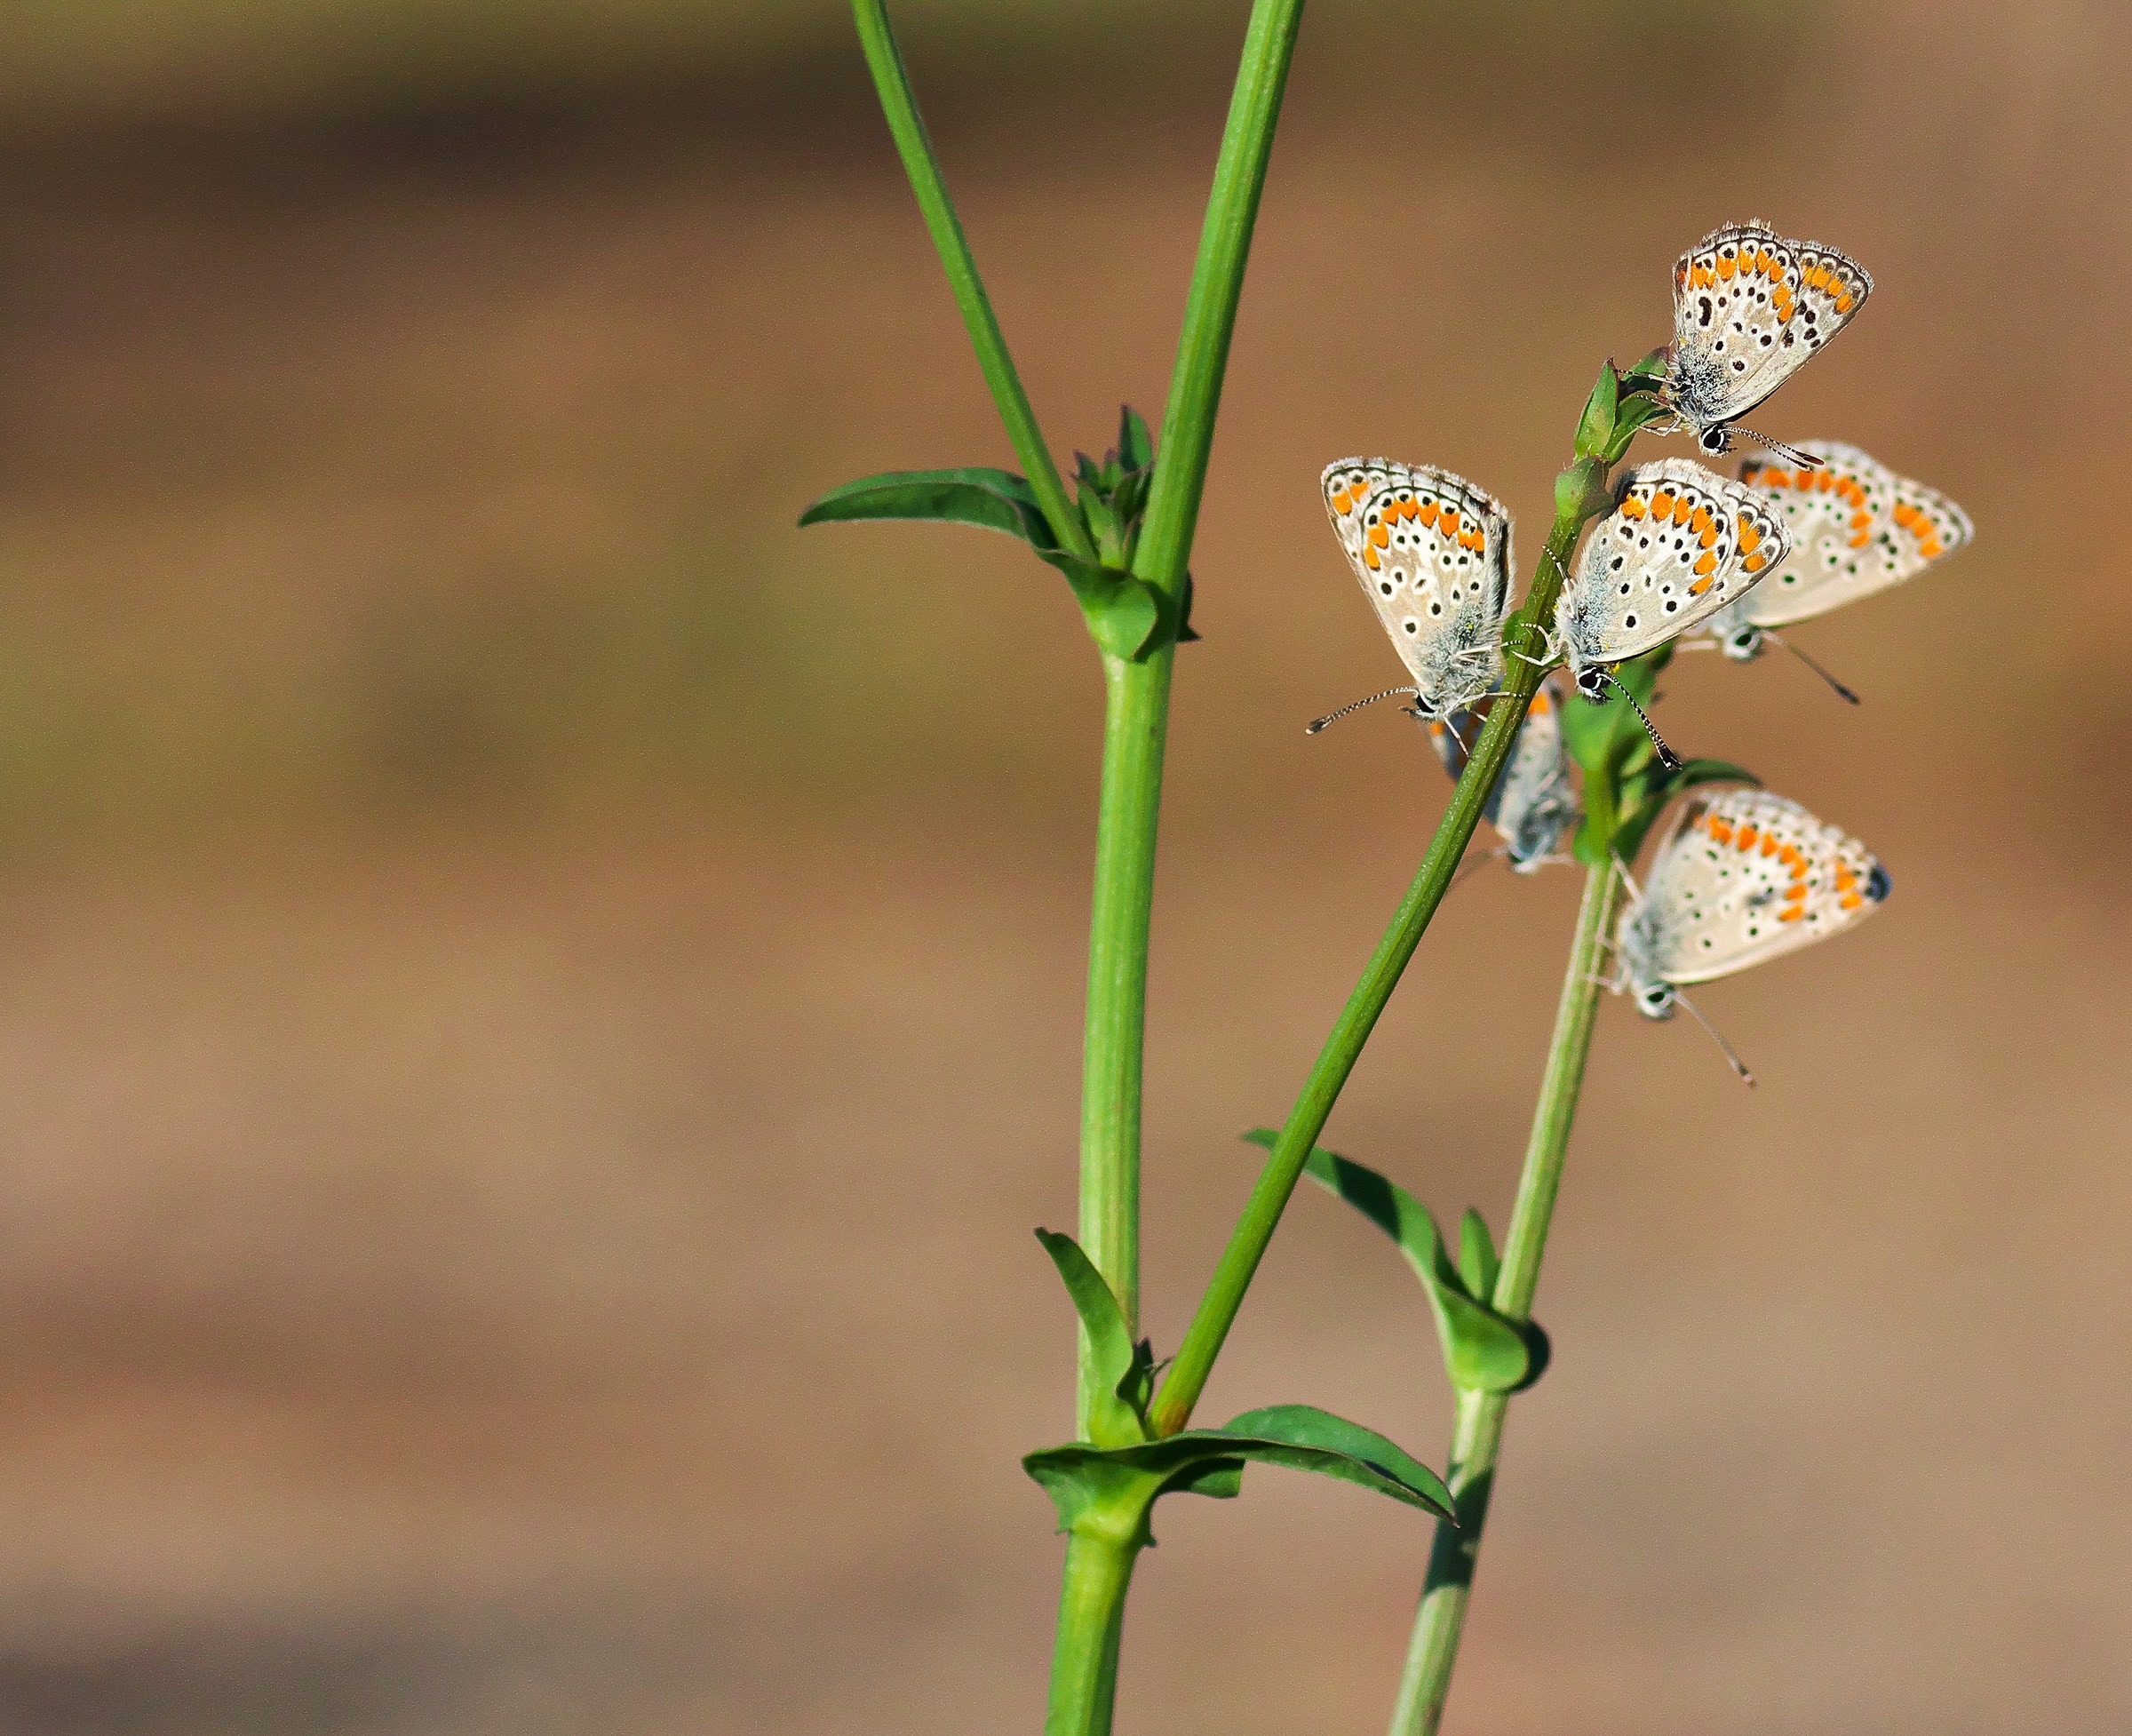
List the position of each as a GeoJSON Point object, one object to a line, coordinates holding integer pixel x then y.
{"type": "Point", "coordinates": [1433, 555]}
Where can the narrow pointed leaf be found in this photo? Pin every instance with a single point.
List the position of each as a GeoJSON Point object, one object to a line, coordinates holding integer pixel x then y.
{"type": "Point", "coordinates": [1116, 1422]}
{"type": "Point", "coordinates": [1596, 428]}
{"type": "Point", "coordinates": [1351, 1452]}
{"type": "Point", "coordinates": [1648, 372]}
{"type": "Point", "coordinates": [1113, 1488]}
{"type": "Point", "coordinates": [1135, 448]}
{"type": "Point", "coordinates": [1477, 1263]}
{"type": "Point", "coordinates": [1481, 1347]}
{"type": "Point", "coordinates": [993, 500]}
{"type": "Point", "coordinates": [1632, 414]}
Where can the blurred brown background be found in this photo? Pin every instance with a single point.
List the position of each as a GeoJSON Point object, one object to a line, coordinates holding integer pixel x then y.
{"type": "Point", "coordinates": [538, 1005]}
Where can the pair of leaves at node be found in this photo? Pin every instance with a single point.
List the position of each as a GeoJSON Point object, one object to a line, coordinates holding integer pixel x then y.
{"type": "Point", "coordinates": [1619, 405]}
{"type": "Point", "coordinates": [1613, 751]}
{"type": "Point", "coordinates": [1483, 1348]}
{"type": "Point", "coordinates": [1110, 1484]}
{"type": "Point", "coordinates": [1126, 616]}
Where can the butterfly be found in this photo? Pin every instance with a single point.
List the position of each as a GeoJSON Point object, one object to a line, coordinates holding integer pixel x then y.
{"type": "Point", "coordinates": [1433, 551]}
{"type": "Point", "coordinates": [1680, 544]}
{"type": "Point", "coordinates": [1749, 308]}
{"type": "Point", "coordinates": [1857, 528]}
{"type": "Point", "coordinates": [1534, 802]}
{"type": "Point", "coordinates": [1744, 876]}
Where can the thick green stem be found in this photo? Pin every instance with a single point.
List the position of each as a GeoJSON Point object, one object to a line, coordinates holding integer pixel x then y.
{"type": "Point", "coordinates": [912, 144]}
{"type": "Point", "coordinates": [1136, 716]}
{"type": "Point", "coordinates": [1477, 1438]}
{"type": "Point", "coordinates": [1092, 1616]}
{"type": "Point", "coordinates": [1247, 1243]}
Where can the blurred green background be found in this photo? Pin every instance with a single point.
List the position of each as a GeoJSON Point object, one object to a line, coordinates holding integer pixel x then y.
{"type": "Point", "coordinates": [540, 1004]}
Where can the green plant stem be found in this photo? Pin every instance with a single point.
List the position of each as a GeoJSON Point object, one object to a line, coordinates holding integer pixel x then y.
{"type": "Point", "coordinates": [1477, 1434]}
{"type": "Point", "coordinates": [892, 83]}
{"type": "Point", "coordinates": [1248, 1242]}
{"type": "Point", "coordinates": [1138, 694]}
{"type": "Point", "coordinates": [1135, 719]}
{"type": "Point", "coordinates": [1092, 1615]}
{"type": "Point", "coordinates": [1210, 308]}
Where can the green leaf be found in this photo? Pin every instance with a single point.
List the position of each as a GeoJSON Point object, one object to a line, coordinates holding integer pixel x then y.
{"type": "Point", "coordinates": [1338, 1448]}
{"type": "Point", "coordinates": [1650, 371]}
{"type": "Point", "coordinates": [1639, 818]}
{"type": "Point", "coordinates": [1111, 1490]}
{"type": "Point", "coordinates": [1478, 1263]}
{"type": "Point", "coordinates": [1124, 613]}
{"type": "Point", "coordinates": [1135, 448]}
{"type": "Point", "coordinates": [993, 500]}
{"type": "Point", "coordinates": [1116, 1422]}
{"type": "Point", "coordinates": [1482, 1349]}
{"type": "Point", "coordinates": [1633, 414]}
{"type": "Point", "coordinates": [1596, 428]}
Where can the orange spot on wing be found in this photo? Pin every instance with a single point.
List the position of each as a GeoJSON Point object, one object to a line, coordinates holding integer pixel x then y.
{"type": "Point", "coordinates": [1845, 879]}
{"type": "Point", "coordinates": [1844, 303]}
{"type": "Point", "coordinates": [1859, 520]}
{"type": "Point", "coordinates": [1699, 520]}
{"type": "Point", "coordinates": [1790, 914]}
{"type": "Point", "coordinates": [1447, 524]}
{"type": "Point", "coordinates": [1719, 830]}
{"type": "Point", "coordinates": [1427, 514]}
{"type": "Point", "coordinates": [1633, 507]}
{"type": "Point", "coordinates": [1379, 535]}
{"type": "Point", "coordinates": [1750, 535]}
{"type": "Point", "coordinates": [1707, 565]}
{"type": "Point", "coordinates": [1661, 505]}
{"type": "Point", "coordinates": [1773, 477]}
{"type": "Point", "coordinates": [1369, 558]}
{"type": "Point", "coordinates": [1850, 901]}
{"type": "Point", "coordinates": [1768, 843]}
{"type": "Point", "coordinates": [1726, 268]}
{"type": "Point", "coordinates": [1681, 508]}
{"type": "Point", "coordinates": [1755, 562]}
{"type": "Point", "coordinates": [1930, 547]}
{"type": "Point", "coordinates": [1796, 893]}
{"type": "Point", "coordinates": [1747, 835]}
{"type": "Point", "coordinates": [1342, 501]}
{"type": "Point", "coordinates": [1861, 539]}
{"type": "Point", "coordinates": [1701, 585]}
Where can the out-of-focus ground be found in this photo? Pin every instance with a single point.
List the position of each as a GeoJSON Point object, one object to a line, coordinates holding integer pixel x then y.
{"type": "Point", "coordinates": [538, 1006]}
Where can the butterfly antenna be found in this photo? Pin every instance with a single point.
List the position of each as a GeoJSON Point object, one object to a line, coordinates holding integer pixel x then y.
{"type": "Point", "coordinates": [1717, 1036]}
{"type": "Point", "coordinates": [1805, 460]}
{"type": "Point", "coordinates": [1667, 758]}
{"type": "Point", "coordinates": [1842, 692]}
{"type": "Point", "coordinates": [1334, 717]}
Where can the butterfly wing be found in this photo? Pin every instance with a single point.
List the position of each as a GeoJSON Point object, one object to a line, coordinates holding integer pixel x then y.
{"type": "Point", "coordinates": [1857, 528]}
{"type": "Point", "coordinates": [1746, 877]}
{"type": "Point", "coordinates": [1749, 308]}
{"type": "Point", "coordinates": [1433, 553]}
{"type": "Point", "coordinates": [1534, 801]}
{"type": "Point", "coordinates": [1681, 543]}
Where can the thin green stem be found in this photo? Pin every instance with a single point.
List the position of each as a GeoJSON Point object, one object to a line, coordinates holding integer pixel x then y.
{"type": "Point", "coordinates": [1248, 1242]}
{"type": "Point", "coordinates": [1210, 309]}
{"type": "Point", "coordinates": [1135, 715]}
{"type": "Point", "coordinates": [912, 144]}
{"type": "Point", "coordinates": [1477, 1437]}
{"type": "Point", "coordinates": [1092, 1617]}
